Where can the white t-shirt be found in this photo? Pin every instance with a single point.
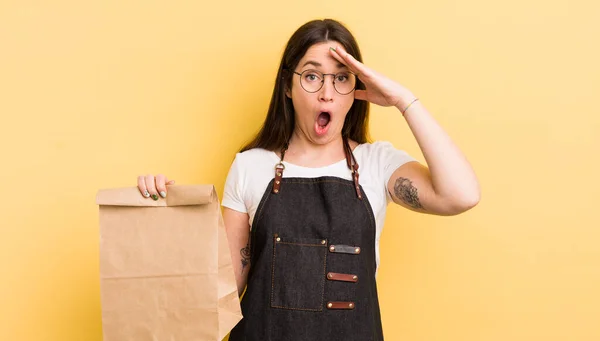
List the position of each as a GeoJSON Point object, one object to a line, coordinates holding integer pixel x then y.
{"type": "Point", "coordinates": [252, 171]}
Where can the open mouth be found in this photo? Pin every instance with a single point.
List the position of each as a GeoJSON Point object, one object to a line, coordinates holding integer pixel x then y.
{"type": "Point", "coordinates": [324, 119]}
{"type": "Point", "coordinates": [322, 124]}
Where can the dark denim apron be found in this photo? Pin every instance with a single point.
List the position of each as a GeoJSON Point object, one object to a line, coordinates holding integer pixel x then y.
{"type": "Point", "coordinates": [312, 273]}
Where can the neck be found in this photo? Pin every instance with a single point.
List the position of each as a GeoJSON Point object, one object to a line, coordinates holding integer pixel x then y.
{"type": "Point", "coordinates": [305, 152]}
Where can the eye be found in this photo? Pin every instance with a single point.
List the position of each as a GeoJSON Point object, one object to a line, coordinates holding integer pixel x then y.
{"type": "Point", "coordinates": [312, 76]}
{"type": "Point", "coordinates": [341, 77]}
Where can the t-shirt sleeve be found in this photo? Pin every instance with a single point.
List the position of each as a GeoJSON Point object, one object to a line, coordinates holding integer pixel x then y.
{"type": "Point", "coordinates": [234, 188]}
{"type": "Point", "coordinates": [390, 159]}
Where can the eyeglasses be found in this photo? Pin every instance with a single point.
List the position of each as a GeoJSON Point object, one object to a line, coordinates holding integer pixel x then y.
{"type": "Point", "coordinates": [313, 80]}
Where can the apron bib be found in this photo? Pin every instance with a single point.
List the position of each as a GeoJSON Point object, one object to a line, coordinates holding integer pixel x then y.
{"type": "Point", "coordinates": [312, 272]}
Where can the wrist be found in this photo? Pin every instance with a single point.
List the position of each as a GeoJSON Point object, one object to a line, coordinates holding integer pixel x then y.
{"type": "Point", "coordinates": [405, 104]}
{"type": "Point", "coordinates": [405, 96]}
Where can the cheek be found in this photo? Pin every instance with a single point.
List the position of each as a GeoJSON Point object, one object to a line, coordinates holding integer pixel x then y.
{"type": "Point", "coordinates": [301, 99]}
{"type": "Point", "coordinates": [345, 105]}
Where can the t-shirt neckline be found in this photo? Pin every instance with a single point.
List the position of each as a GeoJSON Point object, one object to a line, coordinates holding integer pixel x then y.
{"type": "Point", "coordinates": [288, 164]}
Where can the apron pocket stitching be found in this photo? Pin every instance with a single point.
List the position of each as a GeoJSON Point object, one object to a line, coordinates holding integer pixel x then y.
{"type": "Point", "coordinates": [299, 277]}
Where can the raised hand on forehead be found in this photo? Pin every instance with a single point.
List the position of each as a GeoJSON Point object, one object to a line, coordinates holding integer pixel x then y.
{"type": "Point", "coordinates": [380, 90]}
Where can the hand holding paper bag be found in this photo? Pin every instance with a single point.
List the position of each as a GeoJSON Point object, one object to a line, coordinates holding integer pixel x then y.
{"type": "Point", "coordinates": [165, 266]}
{"type": "Point", "coordinates": [152, 186]}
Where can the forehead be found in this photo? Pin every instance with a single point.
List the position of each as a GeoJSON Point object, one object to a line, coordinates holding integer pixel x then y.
{"type": "Point", "coordinates": [320, 54]}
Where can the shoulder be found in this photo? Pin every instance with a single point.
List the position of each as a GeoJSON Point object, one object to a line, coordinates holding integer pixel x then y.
{"type": "Point", "coordinates": [378, 149]}
{"type": "Point", "coordinates": [253, 161]}
{"type": "Point", "coordinates": [382, 157]}
{"type": "Point", "coordinates": [252, 156]}
{"type": "Point", "coordinates": [249, 169]}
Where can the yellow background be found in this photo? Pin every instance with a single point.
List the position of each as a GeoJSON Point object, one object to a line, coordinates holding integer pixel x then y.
{"type": "Point", "coordinates": [93, 94]}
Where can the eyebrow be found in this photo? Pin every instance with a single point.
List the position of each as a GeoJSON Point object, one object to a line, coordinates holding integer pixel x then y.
{"type": "Point", "coordinates": [317, 64]}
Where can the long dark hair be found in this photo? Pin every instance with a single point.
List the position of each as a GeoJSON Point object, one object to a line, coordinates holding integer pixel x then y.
{"type": "Point", "coordinates": [279, 123]}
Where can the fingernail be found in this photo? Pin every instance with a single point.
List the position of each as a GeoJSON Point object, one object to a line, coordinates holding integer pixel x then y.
{"type": "Point", "coordinates": [155, 197]}
{"type": "Point", "coordinates": [332, 48]}
{"type": "Point", "coordinates": [146, 194]}
{"type": "Point", "coordinates": [163, 194]}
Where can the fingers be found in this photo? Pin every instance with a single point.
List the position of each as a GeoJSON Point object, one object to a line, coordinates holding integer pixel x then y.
{"type": "Point", "coordinates": [354, 65]}
{"type": "Point", "coordinates": [153, 187]}
{"type": "Point", "coordinates": [338, 57]}
{"type": "Point", "coordinates": [161, 185]}
{"type": "Point", "coordinates": [142, 186]}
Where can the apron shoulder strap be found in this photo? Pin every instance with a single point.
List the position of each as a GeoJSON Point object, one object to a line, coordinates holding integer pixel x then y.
{"type": "Point", "coordinates": [353, 165]}
{"type": "Point", "coordinates": [350, 160]}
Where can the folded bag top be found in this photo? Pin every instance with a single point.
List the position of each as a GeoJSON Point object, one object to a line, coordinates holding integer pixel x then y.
{"type": "Point", "coordinates": [177, 195]}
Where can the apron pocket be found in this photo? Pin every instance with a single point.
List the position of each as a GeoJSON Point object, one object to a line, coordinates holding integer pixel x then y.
{"type": "Point", "coordinates": [298, 273]}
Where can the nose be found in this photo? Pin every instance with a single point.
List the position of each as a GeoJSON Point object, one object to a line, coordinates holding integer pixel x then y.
{"type": "Point", "coordinates": [327, 90]}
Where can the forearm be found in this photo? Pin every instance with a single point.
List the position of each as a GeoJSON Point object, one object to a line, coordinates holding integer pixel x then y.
{"type": "Point", "coordinates": [453, 178]}
{"type": "Point", "coordinates": [240, 256]}
{"type": "Point", "coordinates": [238, 237]}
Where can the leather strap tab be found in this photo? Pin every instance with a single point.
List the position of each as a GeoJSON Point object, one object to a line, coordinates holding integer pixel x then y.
{"type": "Point", "coordinates": [354, 250]}
{"type": "Point", "coordinates": [340, 305]}
{"type": "Point", "coordinates": [334, 276]}
{"type": "Point", "coordinates": [279, 168]}
{"type": "Point", "coordinates": [278, 176]}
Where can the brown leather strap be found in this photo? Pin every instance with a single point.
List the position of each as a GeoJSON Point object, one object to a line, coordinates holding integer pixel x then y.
{"type": "Point", "coordinates": [350, 160]}
{"type": "Point", "coordinates": [340, 305]}
{"type": "Point", "coordinates": [354, 250]}
{"type": "Point", "coordinates": [278, 175]}
{"type": "Point", "coordinates": [279, 168]}
{"type": "Point", "coordinates": [353, 165]}
{"type": "Point", "coordinates": [334, 276]}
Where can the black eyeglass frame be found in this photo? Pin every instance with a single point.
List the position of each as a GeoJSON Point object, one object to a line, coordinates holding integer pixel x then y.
{"type": "Point", "coordinates": [323, 80]}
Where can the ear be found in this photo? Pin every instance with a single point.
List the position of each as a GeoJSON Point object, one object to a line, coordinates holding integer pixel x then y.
{"type": "Point", "coordinates": [288, 93]}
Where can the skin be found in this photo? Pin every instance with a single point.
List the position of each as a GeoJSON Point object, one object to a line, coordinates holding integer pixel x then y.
{"type": "Point", "coordinates": [306, 147]}
{"type": "Point", "coordinates": [447, 185]}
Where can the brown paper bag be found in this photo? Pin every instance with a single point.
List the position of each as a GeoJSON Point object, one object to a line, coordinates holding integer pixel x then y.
{"type": "Point", "coordinates": [165, 268]}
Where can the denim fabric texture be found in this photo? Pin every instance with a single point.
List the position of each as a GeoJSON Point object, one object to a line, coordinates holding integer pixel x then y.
{"type": "Point", "coordinates": [288, 290]}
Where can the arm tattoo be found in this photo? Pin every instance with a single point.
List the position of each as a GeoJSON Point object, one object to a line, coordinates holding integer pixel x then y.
{"type": "Point", "coordinates": [405, 191]}
{"type": "Point", "coordinates": [245, 252]}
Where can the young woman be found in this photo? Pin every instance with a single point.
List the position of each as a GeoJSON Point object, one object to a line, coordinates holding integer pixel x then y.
{"type": "Point", "coordinates": [305, 201]}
